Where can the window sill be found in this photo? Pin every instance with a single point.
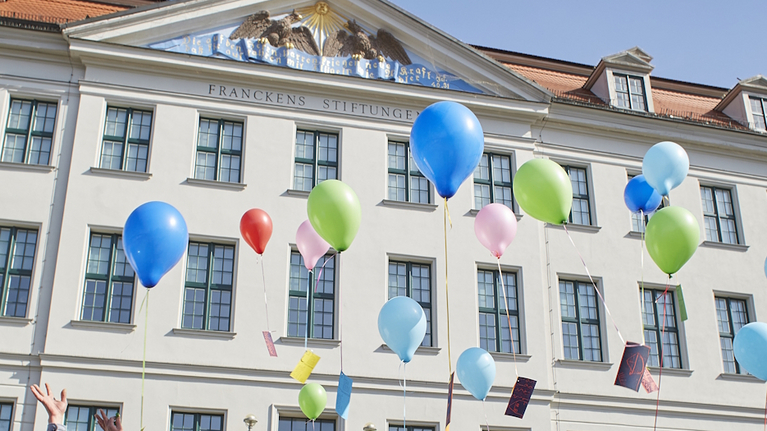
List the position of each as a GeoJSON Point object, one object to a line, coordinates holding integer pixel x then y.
{"type": "Point", "coordinates": [216, 184]}
{"type": "Point", "coordinates": [572, 363]}
{"type": "Point", "coordinates": [141, 176]}
{"type": "Point", "coordinates": [26, 167]}
{"type": "Point", "coordinates": [203, 333]}
{"type": "Point", "coordinates": [14, 321]}
{"type": "Point", "coordinates": [508, 357]}
{"type": "Point", "coordinates": [313, 342]}
{"type": "Point", "coordinates": [739, 378]}
{"type": "Point", "coordinates": [474, 212]}
{"type": "Point", "coordinates": [587, 228]}
{"type": "Point", "coordinates": [671, 371]}
{"type": "Point", "coordinates": [409, 205]}
{"type": "Point", "coordinates": [635, 234]}
{"type": "Point", "coordinates": [297, 193]}
{"type": "Point", "coordinates": [430, 351]}
{"type": "Point", "coordinates": [725, 246]}
{"type": "Point", "coordinates": [103, 326]}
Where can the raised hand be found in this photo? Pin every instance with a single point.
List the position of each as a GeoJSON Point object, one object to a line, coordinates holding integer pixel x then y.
{"type": "Point", "coordinates": [56, 408]}
{"type": "Point", "coordinates": [109, 424]}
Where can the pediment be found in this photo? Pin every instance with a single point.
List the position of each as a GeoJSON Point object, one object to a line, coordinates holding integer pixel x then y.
{"type": "Point", "coordinates": [371, 39]}
{"type": "Point", "coordinates": [755, 83]}
{"type": "Point", "coordinates": [632, 59]}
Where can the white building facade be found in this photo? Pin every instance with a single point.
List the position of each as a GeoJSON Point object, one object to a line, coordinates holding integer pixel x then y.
{"type": "Point", "coordinates": [112, 112]}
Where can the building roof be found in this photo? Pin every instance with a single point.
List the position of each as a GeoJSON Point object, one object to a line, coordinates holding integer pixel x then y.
{"type": "Point", "coordinates": [63, 11]}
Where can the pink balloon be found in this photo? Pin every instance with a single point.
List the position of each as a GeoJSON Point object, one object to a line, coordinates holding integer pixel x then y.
{"type": "Point", "coordinates": [496, 227]}
{"type": "Point", "coordinates": [310, 244]}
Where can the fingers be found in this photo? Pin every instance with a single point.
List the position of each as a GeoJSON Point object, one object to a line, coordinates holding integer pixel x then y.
{"type": "Point", "coordinates": [37, 392]}
{"type": "Point", "coordinates": [63, 395]}
{"type": "Point", "coordinates": [48, 389]}
{"type": "Point", "coordinates": [119, 423]}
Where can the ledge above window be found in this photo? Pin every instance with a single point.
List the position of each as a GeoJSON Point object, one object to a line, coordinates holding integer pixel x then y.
{"type": "Point", "coordinates": [508, 357]}
{"type": "Point", "coordinates": [313, 342]}
{"type": "Point", "coordinates": [14, 321]}
{"type": "Point", "coordinates": [141, 176]}
{"type": "Point", "coordinates": [422, 350]}
{"type": "Point", "coordinates": [216, 184]}
{"type": "Point", "coordinates": [739, 378]}
{"type": "Point", "coordinates": [204, 334]}
{"type": "Point", "coordinates": [124, 328]}
{"type": "Point", "coordinates": [409, 205]}
{"type": "Point", "coordinates": [26, 167]}
{"type": "Point", "coordinates": [572, 363]}
{"type": "Point", "coordinates": [297, 193]}
{"type": "Point", "coordinates": [671, 371]}
{"type": "Point", "coordinates": [577, 227]}
{"type": "Point", "coordinates": [474, 212]}
{"type": "Point", "coordinates": [724, 245]}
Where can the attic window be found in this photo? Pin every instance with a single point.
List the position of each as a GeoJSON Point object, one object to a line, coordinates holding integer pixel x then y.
{"type": "Point", "coordinates": [758, 111]}
{"type": "Point", "coordinates": [629, 92]}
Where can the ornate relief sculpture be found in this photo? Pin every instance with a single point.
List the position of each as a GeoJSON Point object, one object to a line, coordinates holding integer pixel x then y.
{"type": "Point", "coordinates": [359, 45]}
{"type": "Point", "coordinates": [278, 33]}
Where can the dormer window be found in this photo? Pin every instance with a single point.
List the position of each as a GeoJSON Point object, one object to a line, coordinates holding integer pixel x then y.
{"type": "Point", "coordinates": [758, 110]}
{"type": "Point", "coordinates": [629, 92]}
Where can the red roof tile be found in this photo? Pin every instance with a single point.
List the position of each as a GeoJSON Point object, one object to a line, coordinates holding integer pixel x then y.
{"type": "Point", "coordinates": [56, 11]}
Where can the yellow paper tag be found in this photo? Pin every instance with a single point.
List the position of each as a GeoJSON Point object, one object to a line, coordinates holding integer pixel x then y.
{"type": "Point", "coordinates": [305, 366]}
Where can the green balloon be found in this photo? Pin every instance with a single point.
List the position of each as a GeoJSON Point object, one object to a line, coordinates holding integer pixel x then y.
{"type": "Point", "coordinates": [672, 237]}
{"type": "Point", "coordinates": [334, 212]}
{"type": "Point", "coordinates": [312, 400]}
{"type": "Point", "coordinates": [543, 189]}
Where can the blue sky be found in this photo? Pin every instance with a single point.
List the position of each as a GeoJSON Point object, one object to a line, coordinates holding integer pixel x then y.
{"type": "Point", "coordinates": [706, 41]}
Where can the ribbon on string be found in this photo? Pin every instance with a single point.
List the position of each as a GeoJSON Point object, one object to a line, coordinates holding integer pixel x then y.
{"type": "Point", "coordinates": [308, 289]}
{"type": "Point", "coordinates": [404, 398]}
{"type": "Point", "coordinates": [601, 298]}
{"type": "Point", "coordinates": [484, 410]}
{"type": "Point", "coordinates": [765, 414]}
{"type": "Point", "coordinates": [508, 318]}
{"type": "Point", "coordinates": [340, 314]}
{"type": "Point", "coordinates": [660, 350]}
{"type": "Point", "coordinates": [266, 305]}
{"type": "Point", "coordinates": [445, 218]}
{"type": "Point", "coordinates": [143, 360]}
{"type": "Point", "coordinates": [641, 266]}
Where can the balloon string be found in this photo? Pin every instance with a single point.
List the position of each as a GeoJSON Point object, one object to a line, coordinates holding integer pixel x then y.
{"type": "Point", "coordinates": [143, 360]}
{"type": "Point", "coordinates": [445, 217]}
{"type": "Point", "coordinates": [404, 398]}
{"type": "Point", "coordinates": [660, 350]}
{"type": "Point", "coordinates": [266, 305]}
{"type": "Point", "coordinates": [484, 410]}
{"type": "Point", "coordinates": [306, 328]}
{"type": "Point", "coordinates": [508, 319]}
{"type": "Point", "coordinates": [765, 414]}
{"type": "Point", "coordinates": [340, 314]}
{"type": "Point", "coordinates": [601, 298]}
{"type": "Point", "coordinates": [641, 261]}
{"type": "Point", "coordinates": [319, 275]}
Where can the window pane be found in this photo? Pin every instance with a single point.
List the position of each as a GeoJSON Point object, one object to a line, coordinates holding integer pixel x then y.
{"type": "Point", "coordinates": [13, 150]}
{"type": "Point", "coordinates": [18, 295]}
{"type": "Point", "coordinates": [137, 157]}
{"type": "Point", "coordinates": [205, 169]}
{"type": "Point", "coordinates": [19, 116]}
{"type": "Point", "coordinates": [40, 151]}
{"type": "Point", "coordinates": [141, 125]}
{"type": "Point", "coordinates": [567, 299]}
{"type": "Point", "coordinates": [482, 171]}
{"type": "Point", "coordinates": [396, 156]}
{"type": "Point", "coordinates": [121, 302]}
{"type": "Point", "coordinates": [94, 301]}
{"type": "Point", "coordinates": [24, 250]}
{"type": "Point", "coordinates": [197, 263]}
{"type": "Point", "coordinates": [194, 308]}
{"type": "Point", "coordinates": [485, 289]}
{"type": "Point", "coordinates": [419, 190]}
{"type": "Point", "coordinates": [115, 124]}
{"type": "Point", "coordinates": [5, 417]}
{"type": "Point", "coordinates": [570, 340]}
{"type": "Point", "coordinates": [232, 136]}
{"type": "Point", "coordinates": [208, 134]}
{"type": "Point", "coordinates": [220, 310]}
{"type": "Point", "coordinates": [304, 177]}
{"type": "Point", "coordinates": [397, 187]}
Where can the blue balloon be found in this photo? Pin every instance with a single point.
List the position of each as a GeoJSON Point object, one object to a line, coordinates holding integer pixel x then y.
{"type": "Point", "coordinates": [447, 142]}
{"type": "Point", "coordinates": [154, 239]}
{"type": "Point", "coordinates": [476, 371]}
{"type": "Point", "coordinates": [665, 166]}
{"type": "Point", "coordinates": [765, 267]}
{"type": "Point", "coordinates": [639, 195]}
{"type": "Point", "coordinates": [750, 348]}
{"type": "Point", "coordinates": [402, 325]}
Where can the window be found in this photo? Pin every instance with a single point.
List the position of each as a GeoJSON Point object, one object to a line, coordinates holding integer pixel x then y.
{"type": "Point", "coordinates": [759, 112]}
{"type": "Point", "coordinates": [290, 424]}
{"type": "Point", "coordinates": [629, 92]}
{"type": "Point", "coordinates": [29, 132]}
{"type": "Point", "coordinates": [413, 280]}
{"type": "Point", "coordinates": [6, 416]}
{"type": "Point", "coordinates": [409, 428]}
{"type": "Point", "coordinates": [219, 150]}
{"type": "Point", "coordinates": [659, 318]}
{"type": "Point", "coordinates": [208, 287]}
{"type": "Point", "coordinates": [581, 335]}
{"type": "Point", "coordinates": [126, 139]}
{"type": "Point", "coordinates": [17, 256]}
{"type": "Point", "coordinates": [492, 336]}
{"type": "Point", "coordinates": [718, 215]}
{"type": "Point", "coordinates": [196, 422]}
{"type": "Point", "coordinates": [316, 159]}
{"type": "Point", "coordinates": [731, 315]}
{"type": "Point", "coordinates": [580, 213]}
{"type": "Point", "coordinates": [639, 222]}
{"type": "Point", "coordinates": [403, 171]}
{"type": "Point", "coordinates": [80, 418]}
{"type": "Point", "coordinates": [109, 281]}
{"type": "Point", "coordinates": [321, 298]}
{"type": "Point", "coordinates": [492, 181]}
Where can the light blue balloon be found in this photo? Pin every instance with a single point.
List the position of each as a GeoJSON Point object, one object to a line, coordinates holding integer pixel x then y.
{"type": "Point", "coordinates": [476, 371]}
{"type": "Point", "coordinates": [155, 238]}
{"type": "Point", "coordinates": [750, 348]}
{"type": "Point", "coordinates": [765, 267]}
{"type": "Point", "coordinates": [402, 325]}
{"type": "Point", "coordinates": [447, 143]}
{"type": "Point", "coordinates": [665, 166]}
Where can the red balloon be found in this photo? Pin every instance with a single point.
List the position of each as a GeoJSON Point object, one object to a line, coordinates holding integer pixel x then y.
{"type": "Point", "coordinates": [256, 228]}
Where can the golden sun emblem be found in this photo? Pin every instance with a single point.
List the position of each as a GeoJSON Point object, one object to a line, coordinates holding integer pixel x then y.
{"type": "Point", "coordinates": [321, 8]}
{"type": "Point", "coordinates": [322, 20]}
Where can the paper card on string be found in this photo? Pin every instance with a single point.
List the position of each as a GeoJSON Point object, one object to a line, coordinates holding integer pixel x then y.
{"type": "Point", "coordinates": [633, 365]}
{"type": "Point", "coordinates": [270, 344]}
{"type": "Point", "coordinates": [449, 401]}
{"type": "Point", "coordinates": [648, 383]}
{"type": "Point", "coordinates": [344, 395]}
{"type": "Point", "coordinates": [305, 366]}
{"type": "Point", "coordinates": [680, 301]}
{"type": "Point", "coordinates": [520, 397]}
